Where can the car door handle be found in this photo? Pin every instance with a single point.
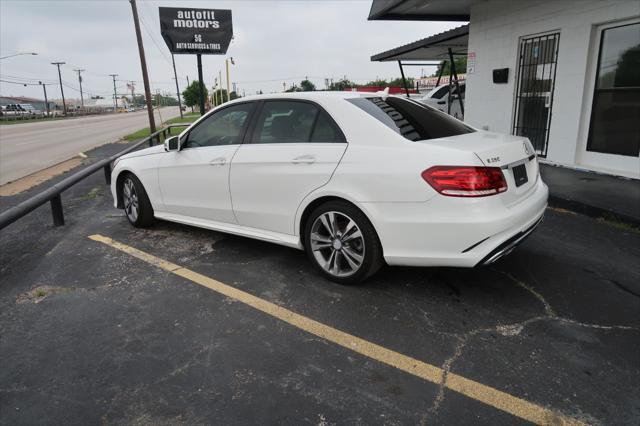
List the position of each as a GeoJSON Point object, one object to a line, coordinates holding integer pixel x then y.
{"type": "Point", "coordinates": [304, 159]}
{"type": "Point", "coordinates": [442, 102]}
{"type": "Point", "coordinates": [220, 161]}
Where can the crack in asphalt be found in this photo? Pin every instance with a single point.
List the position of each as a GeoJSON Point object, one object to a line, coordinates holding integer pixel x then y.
{"type": "Point", "coordinates": [508, 330]}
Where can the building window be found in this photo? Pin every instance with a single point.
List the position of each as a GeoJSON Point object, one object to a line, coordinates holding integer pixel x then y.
{"type": "Point", "coordinates": [615, 127]}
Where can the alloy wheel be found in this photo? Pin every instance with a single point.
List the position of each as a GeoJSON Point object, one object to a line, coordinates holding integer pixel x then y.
{"type": "Point", "coordinates": [337, 244]}
{"type": "Point", "coordinates": [130, 198]}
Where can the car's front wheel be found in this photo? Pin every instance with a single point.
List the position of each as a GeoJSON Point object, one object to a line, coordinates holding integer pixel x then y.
{"type": "Point", "coordinates": [136, 203]}
{"type": "Point", "coordinates": [342, 243]}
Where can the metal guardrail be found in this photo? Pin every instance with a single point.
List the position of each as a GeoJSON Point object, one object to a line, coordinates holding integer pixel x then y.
{"type": "Point", "coordinates": [53, 194]}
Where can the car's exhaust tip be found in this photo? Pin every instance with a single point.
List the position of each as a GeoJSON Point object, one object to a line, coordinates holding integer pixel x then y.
{"type": "Point", "coordinates": [509, 245]}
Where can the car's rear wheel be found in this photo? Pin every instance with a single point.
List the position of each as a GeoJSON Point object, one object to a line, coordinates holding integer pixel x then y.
{"type": "Point", "coordinates": [137, 206]}
{"type": "Point", "coordinates": [342, 243]}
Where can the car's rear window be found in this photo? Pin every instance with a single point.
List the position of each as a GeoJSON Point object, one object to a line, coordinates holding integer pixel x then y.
{"type": "Point", "coordinates": [411, 119]}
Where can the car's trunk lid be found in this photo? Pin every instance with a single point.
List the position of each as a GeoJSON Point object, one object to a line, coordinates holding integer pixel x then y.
{"type": "Point", "coordinates": [511, 153]}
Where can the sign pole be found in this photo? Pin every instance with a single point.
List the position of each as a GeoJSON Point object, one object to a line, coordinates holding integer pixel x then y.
{"type": "Point", "coordinates": [199, 56]}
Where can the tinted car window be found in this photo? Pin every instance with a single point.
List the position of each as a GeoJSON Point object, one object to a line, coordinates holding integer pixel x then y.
{"type": "Point", "coordinates": [285, 122]}
{"type": "Point", "coordinates": [411, 119]}
{"type": "Point", "coordinates": [440, 92]}
{"type": "Point", "coordinates": [325, 130]}
{"type": "Point", "coordinates": [224, 127]}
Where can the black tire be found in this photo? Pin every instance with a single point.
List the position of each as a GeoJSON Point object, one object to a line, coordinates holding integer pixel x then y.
{"type": "Point", "coordinates": [144, 216]}
{"type": "Point", "coordinates": [365, 250]}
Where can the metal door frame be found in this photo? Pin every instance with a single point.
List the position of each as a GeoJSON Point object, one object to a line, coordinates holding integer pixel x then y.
{"type": "Point", "coordinates": [524, 40]}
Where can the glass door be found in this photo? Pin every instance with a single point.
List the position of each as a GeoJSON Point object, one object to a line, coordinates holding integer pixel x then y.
{"type": "Point", "coordinates": [534, 93]}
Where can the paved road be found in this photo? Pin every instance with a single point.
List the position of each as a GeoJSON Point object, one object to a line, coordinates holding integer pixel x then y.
{"type": "Point", "coordinates": [30, 147]}
{"type": "Point", "coordinates": [89, 334]}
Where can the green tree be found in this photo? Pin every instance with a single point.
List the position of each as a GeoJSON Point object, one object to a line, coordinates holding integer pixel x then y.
{"type": "Point", "coordinates": [307, 86]}
{"type": "Point", "coordinates": [164, 100]}
{"type": "Point", "coordinates": [216, 96]}
{"type": "Point", "coordinates": [461, 66]}
{"type": "Point", "coordinates": [397, 82]}
{"type": "Point", "coordinates": [191, 95]}
{"type": "Point", "coordinates": [377, 83]}
{"type": "Point", "coordinates": [342, 84]}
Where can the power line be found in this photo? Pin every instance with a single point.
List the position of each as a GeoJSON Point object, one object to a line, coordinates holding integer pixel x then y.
{"type": "Point", "coordinates": [146, 28]}
{"type": "Point", "coordinates": [21, 84]}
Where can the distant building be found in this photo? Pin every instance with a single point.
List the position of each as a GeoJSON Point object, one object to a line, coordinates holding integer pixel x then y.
{"type": "Point", "coordinates": [35, 103]}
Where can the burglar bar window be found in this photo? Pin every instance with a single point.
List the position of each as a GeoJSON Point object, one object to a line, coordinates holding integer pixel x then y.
{"type": "Point", "coordinates": [537, 60]}
{"type": "Point", "coordinates": [615, 128]}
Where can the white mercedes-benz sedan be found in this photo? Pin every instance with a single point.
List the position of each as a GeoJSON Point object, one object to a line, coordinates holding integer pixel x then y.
{"type": "Point", "coordinates": [354, 179]}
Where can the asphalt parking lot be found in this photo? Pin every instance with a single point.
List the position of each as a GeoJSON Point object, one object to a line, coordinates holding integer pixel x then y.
{"type": "Point", "coordinates": [92, 331]}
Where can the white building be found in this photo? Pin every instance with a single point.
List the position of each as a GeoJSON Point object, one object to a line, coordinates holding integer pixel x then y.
{"type": "Point", "coordinates": [573, 73]}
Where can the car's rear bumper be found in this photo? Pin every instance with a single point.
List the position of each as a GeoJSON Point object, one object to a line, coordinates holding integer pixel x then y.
{"type": "Point", "coordinates": [448, 231]}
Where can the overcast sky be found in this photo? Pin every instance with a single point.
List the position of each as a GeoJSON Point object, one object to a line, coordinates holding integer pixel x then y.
{"type": "Point", "coordinates": [274, 42]}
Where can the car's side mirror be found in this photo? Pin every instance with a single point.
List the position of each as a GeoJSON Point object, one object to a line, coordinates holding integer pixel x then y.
{"type": "Point", "coordinates": [172, 144]}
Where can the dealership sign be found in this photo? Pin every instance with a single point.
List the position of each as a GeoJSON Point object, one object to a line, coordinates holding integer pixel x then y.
{"type": "Point", "coordinates": [199, 31]}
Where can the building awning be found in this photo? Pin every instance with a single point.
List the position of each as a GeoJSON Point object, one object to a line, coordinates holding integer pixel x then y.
{"type": "Point", "coordinates": [434, 48]}
{"type": "Point", "coordinates": [420, 10]}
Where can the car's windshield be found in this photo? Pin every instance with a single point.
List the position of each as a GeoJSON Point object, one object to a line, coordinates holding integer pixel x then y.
{"type": "Point", "coordinates": [411, 119]}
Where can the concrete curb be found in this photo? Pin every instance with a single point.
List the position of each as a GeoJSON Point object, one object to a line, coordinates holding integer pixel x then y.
{"type": "Point", "coordinates": [592, 211]}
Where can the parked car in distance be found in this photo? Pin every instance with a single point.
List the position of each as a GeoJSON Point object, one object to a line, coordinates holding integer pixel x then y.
{"type": "Point", "coordinates": [355, 179]}
{"type": "Point", "coordinates": [439, 98]}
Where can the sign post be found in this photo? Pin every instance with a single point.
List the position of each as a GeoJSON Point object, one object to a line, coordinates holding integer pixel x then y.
{"type": "Point", "coordinates": [201, 84]}
{"type": "Point", "coordinates": [196, 31]}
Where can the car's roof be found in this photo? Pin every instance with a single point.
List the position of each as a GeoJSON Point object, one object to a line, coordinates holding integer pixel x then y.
{"type": "Point", "coordinates": [311, 95]}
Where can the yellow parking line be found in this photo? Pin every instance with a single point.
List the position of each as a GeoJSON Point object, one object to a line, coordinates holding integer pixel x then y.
{"type": "Point", "coordinates": [431, 373]}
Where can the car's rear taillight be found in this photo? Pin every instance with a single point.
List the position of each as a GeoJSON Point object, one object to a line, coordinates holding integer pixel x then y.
{"type": "Point", "coordinates": [465, 181]}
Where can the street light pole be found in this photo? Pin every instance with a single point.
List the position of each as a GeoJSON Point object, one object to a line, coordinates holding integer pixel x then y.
{"type": "Point", "coordinates": [80, 81]}
{"type": "Point", "coordinates": [18, 54]}
{"type": "Point", "coordinates": [115, 93]}
{"type": "Point", "coordinates": [221, 94]}
{"type": "Point", "coordinates": [46, 101]}
{"type": "Point", "coordinates": [226, 62]}
{"type": "Point", "coordinates": [64, 104]}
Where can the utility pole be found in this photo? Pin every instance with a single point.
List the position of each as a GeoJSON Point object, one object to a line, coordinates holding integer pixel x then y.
{"type": "Point", "coordinates": [175, 75]}
{"type": "Point", "coordinates": [80, 81]}
{"type": "Point", "coordinates": [143, 64]}
{"type": "Point", "coordinates": [46, 101]}
{"type": "Point", "coordinates": [64, 104]}
{"type": "Point", "coordinates": [115, 93]}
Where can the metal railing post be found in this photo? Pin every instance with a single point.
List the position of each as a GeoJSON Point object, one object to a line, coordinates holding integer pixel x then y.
{"type": "Point", "coordinates": [56, 210]}
{"type": "Point", "coordinates": [52, 194]}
